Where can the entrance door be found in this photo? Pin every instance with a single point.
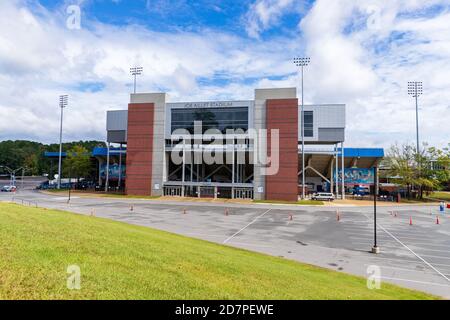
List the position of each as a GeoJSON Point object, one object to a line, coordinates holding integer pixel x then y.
{"type": "Point", "coordinates": [172, 191]}
{"type": "Point", "coordinates": [243, 193]}
{"type": "Point", "coordinates": [207, 192]}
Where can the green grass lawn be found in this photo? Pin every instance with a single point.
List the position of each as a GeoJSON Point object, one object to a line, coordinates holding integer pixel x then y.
{"type": "Point", "coordinates": [440, 196]}
{"type": "Point", "coordinates": [120, 261]}
{"type": "Point", "coordinates": [301, 202]}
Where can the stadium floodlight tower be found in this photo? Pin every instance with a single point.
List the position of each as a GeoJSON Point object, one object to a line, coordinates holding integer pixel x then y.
{"type": "Point", "coordinates": [136, 71]}
{"type": "Point", "coordinates": [415, 90]}
{"type": "Point", "coordinates": [63, 103]}
{"type": "Point", "coordinates": [302, 62]}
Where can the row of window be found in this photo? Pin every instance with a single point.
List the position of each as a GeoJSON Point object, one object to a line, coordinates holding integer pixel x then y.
{"type": "Point", "coordinates": [223, 119]}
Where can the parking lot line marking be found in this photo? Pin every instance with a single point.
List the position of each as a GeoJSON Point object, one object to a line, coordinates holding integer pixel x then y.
{"type": "Point", "coordinates": [409, 249]}
{"type": "Point", "coordinates": [252, 222]}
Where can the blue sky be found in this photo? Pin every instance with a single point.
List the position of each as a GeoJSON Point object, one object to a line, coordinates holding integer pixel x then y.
{"type": "Point", "coordinates": [363, 52]}
{"type": "Point", "coordinates": [162, 15]}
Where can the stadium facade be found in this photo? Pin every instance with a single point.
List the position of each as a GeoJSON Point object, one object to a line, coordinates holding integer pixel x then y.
{"type": "Point", "coordinates": [249, 149]}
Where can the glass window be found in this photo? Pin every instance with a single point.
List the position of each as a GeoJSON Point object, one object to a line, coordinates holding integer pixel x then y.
{"type": "Point", "coordinates": [211, 118]}
{"type": "Point", "coordinates": [309, 123]}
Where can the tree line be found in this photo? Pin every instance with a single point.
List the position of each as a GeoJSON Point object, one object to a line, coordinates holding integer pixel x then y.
{"type": "Point", "coordinates": [31, 155]}
{"type": "Point", "coordinates": [418, 172]}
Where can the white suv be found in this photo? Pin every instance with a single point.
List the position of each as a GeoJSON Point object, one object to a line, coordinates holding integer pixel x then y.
{"type": "Point", "coordinates": [323, 196]}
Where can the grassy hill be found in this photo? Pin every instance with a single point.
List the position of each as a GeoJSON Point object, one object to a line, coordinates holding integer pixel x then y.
{"type": "Point", "coordinates": [120, 261]}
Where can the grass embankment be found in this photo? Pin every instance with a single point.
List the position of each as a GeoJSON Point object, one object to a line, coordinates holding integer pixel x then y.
{"type": "Point", "coordinates": [444, 196]}
{"type": "Point", "coordinates": [121, 261]}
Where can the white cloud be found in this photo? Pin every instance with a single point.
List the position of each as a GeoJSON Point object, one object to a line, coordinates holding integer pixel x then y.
{"type": "Point", "coordinates": [357, 60]}
{"type": "Point", "coordinates": [263, 14]}
{"type": "Point", "coordinates": [40, 58]}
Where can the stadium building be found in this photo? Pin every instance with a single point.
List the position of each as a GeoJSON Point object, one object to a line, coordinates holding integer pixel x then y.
{"type": "Point", "coordinates": [157, 148]}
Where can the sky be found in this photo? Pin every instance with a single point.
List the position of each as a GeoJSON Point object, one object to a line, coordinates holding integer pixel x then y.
{"type": "Point", "coordinates": [363, 53]}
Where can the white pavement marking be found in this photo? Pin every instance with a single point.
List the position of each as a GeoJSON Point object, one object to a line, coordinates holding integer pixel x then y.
{"type": "Point", "coordinates": [419, 257]}
{"type": "Point", "coordinates": [228, 239]}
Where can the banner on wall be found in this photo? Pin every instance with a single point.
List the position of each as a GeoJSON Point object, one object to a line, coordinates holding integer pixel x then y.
{"type": "Point", "coordinates": [113, 172]}
{"type": "Point", "coordinates": [356, 176]}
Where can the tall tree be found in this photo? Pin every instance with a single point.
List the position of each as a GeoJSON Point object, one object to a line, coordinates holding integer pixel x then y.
{"type": "Point", "coordinates": [77, 163]}
{"type": "Point", "coordinates": [414, 171]}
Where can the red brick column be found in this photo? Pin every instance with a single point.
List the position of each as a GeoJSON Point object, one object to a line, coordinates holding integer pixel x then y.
{"type": "Point", "coordinates": [140, 149]}
{"type": "Point", "coordinates": [282, 114]}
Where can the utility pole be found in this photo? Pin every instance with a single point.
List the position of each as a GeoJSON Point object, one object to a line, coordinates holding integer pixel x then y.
{"type": "Point", "coordinates": [302, 62]}
{"type": "Point", "coordinates": [63, 102]}
{"type": "Point", "coordinates": [375, 248]}
{"type": "Point", "coordinates": [415, 90]}
{"type": "Point", "coordinates": [136, 71]}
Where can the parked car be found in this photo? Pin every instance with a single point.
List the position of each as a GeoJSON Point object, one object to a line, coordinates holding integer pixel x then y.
{"type": "Point", "coordinates": [8, 189]}
{"type": "Point", "coordinates": [323, 196]}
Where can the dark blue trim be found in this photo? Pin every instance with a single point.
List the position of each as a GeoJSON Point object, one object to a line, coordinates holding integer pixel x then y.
{"type": "Point", "coordinates": [103, 152]}
{"type": "Point", "coordinates": [362, 152]}
{"type": "Point", "coordinates": [54, 154]}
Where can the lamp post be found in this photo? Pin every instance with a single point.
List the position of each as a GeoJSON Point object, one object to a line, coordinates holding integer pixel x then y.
{"type": "Point", "coordinates": [375, 248]}
{"type": "Point", "coordinates": [302, 62]}
{"type": "Point", "coordinates": [63, 102]}
{"type": "Point", "coordinates": [136, 71]}
{"type": "Point", "coordinates": [70, 182]}
{"type": "Point", "coordinates": [415, 90]}
{"type": "Point", "coordinates": [12, 174]}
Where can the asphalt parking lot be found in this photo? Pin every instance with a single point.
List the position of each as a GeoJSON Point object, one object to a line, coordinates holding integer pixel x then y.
{"type": "Point", "coordinates": [415, 256]}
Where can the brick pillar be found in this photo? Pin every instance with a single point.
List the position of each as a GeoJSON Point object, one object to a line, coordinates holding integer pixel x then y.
{"type": "Point", "coordinates": [282, 114]}
{"type": "Point", "coordinates": [140, 149]}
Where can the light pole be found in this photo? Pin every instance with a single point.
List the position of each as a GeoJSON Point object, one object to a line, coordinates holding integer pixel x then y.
{"type": "Point", "coordinates": [63, 102]}
{"type": "Point", "coordinates": [302, 62]}
{"type": "Point", "coordinates": [415, 90]}
{"type": "Point", "coordinates": [375, 248]}
{"type": "Point", "coordinates": [136, 71]}
{"type": "Point", "coordinates": [12, 174]}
